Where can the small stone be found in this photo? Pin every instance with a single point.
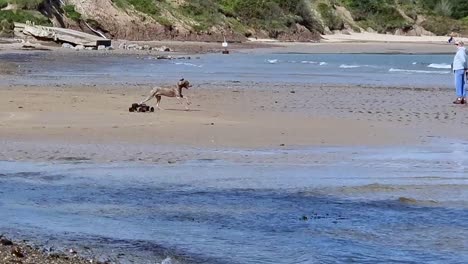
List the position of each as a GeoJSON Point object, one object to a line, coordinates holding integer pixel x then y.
{"type": "Point", "coordinates": [67, 46]}
{"type": "Point", "coordinates": [132, 46]}
{"type": "Point", "coordinates": [293, 92]}
{"type": "Point", "coordinates": [16, 251]}
{"type": "Point", "coordinates": [282, 145]}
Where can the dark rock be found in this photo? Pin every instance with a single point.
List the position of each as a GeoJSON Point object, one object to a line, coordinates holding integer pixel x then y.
{"type": "Point", "coordinates": [5, 242]}
{"type": "Point", "coordinates": [55, 255]}
{"type": "Point", "coordinates": [16, 251]}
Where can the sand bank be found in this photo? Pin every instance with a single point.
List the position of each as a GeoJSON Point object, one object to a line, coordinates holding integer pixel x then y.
{"type": "Point", "coordinates": [236, 116]}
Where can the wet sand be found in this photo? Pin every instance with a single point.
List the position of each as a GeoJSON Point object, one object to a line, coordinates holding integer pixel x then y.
{"type": "Point", "coordinates": [50, 122]}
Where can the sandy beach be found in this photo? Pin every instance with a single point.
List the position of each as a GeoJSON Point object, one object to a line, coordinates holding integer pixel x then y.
{"type": "Point", "coordinates": [228, 121]}
{"type": "Point", "coordinates": [234, 115]}
{"type": "Point", "coordinates": [237, 117]}
{"type": "Point", "coordinates": [93, 124]}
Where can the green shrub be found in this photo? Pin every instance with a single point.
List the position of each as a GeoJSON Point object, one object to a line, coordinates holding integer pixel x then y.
{"type": "Point", "coordinates": [441, 25]}
{"type": "Point", "coordinates": [329, 17]}
{"type": "Point", "coordinates": [23, 16]}
{"type": "Point", "coordinates": [164, 21]}
{"type": "Point", "coordinates": [3, 4]}
{"type": "Point", "coordinates": [71, 13]}
{"type": "Point", "coordinates": [146, 6]}
{"type": "Point", "coordinates": [380, 15]}
{"type": "Point", "coordinates": [27, 4]}
{"type": "Point", "coordinates": [120, 3]}
{"type": "Point", "coordinates": [204, 12]}
{"type": "Point", "coordinates": [444, 8]}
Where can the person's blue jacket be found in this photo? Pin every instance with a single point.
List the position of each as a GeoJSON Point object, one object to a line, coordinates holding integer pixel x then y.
{"type": "Point", "coordinates": [460, 60]}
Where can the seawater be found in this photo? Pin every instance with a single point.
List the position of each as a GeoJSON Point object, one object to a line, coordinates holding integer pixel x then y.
{"type": "Point", "coordinates": [387, 70]}
{"type": "Point", "coordinates": [382, 206]}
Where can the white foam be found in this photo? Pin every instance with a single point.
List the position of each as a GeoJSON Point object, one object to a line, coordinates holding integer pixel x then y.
{"type": "Point", "coordinates": [272, 61]}
{"type": "Point", "coordinates": [418, 71]}
{"type": "Point", "coordinates": [167, 260]}
{"type": "Point", "coordinates": [188, 64]}
{"type": "Point", "coordinates": [346, 66]}
{"type": "Point", "coordinates": [322, 63]}
{"type": "Point", "coordinates": [440, 66]}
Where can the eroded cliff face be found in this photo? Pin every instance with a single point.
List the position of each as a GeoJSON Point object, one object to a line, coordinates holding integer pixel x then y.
{"type": "Point", "coordinates": [126, 22]}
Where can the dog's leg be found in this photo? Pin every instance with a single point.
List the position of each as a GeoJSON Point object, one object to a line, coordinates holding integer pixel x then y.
{"type": "Point", "coordinates": [158, 100]}
{"type": "Point", "coordinates": [187, 102]}
{"type": "Point", "coordinates": [179, 99]}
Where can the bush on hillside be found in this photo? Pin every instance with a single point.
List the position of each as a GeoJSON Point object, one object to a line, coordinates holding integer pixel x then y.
{"type": "Point", "coordinates": [380, 15]}
{"type": "Point", "coordinates": [23, 16]}
{"type": "Point", "coordinates": [71, 13]}
{"type": "Point", "coordinates": [27, 4]}
{"type": "Point", "coordinates": [3, 4]}
{"type": "Point", "coordinates": [205, 12]}
{"type": "Point", "coordinates": [329, 17]}
{"type": "Point", "coordinates": [441, 25]}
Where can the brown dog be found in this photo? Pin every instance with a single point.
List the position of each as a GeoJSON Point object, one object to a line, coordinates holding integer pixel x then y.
{"type": "Point", "coordinates": [158, 92]}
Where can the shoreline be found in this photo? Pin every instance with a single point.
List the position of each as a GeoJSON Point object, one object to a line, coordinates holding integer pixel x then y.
{"type": "Point", "coordinates": [356, 43]}
{"type": "Point", "coordinates": [22, 252]}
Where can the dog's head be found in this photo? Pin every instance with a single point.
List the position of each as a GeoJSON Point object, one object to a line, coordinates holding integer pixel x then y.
{"type": "Point", "coordinates": [182, 83]}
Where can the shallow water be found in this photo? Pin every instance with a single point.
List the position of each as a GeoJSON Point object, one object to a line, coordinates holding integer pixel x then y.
{"type": "Point", "coordinates": [383, 205]}
{"type": "Point", "coordinates": [388, 70]}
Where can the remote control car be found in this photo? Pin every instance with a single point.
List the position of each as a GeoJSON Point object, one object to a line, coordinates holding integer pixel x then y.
{"type": "Point", "coordinates": [140, 108]}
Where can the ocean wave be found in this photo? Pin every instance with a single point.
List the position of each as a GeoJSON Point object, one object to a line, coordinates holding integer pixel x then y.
{"type": "Point", "coordinates": [439, 66]}
{"type": "Point", "coordinates": [309, 62]}
{"type": "Point", "coordinates": [408, 200]}
{"type": "Point", "coordinates": [188, 64]}
{"type": "Point", "coordinates": [276, 61]}
{"type": "Point", "coordinates": [417, 71]}
{"type": "Point", "coordinates": [346, 66]}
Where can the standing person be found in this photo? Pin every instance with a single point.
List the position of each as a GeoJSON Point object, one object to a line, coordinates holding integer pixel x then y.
{"type": "Point", "coordinates": [459, 68]}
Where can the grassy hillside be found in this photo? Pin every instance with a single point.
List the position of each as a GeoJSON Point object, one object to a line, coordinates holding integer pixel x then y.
{"type": "Point", "coordinates": [271, 17]}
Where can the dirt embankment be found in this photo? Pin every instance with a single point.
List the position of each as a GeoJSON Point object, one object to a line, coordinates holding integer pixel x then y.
{"type": "Point", "coordinates": [130, 24]}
